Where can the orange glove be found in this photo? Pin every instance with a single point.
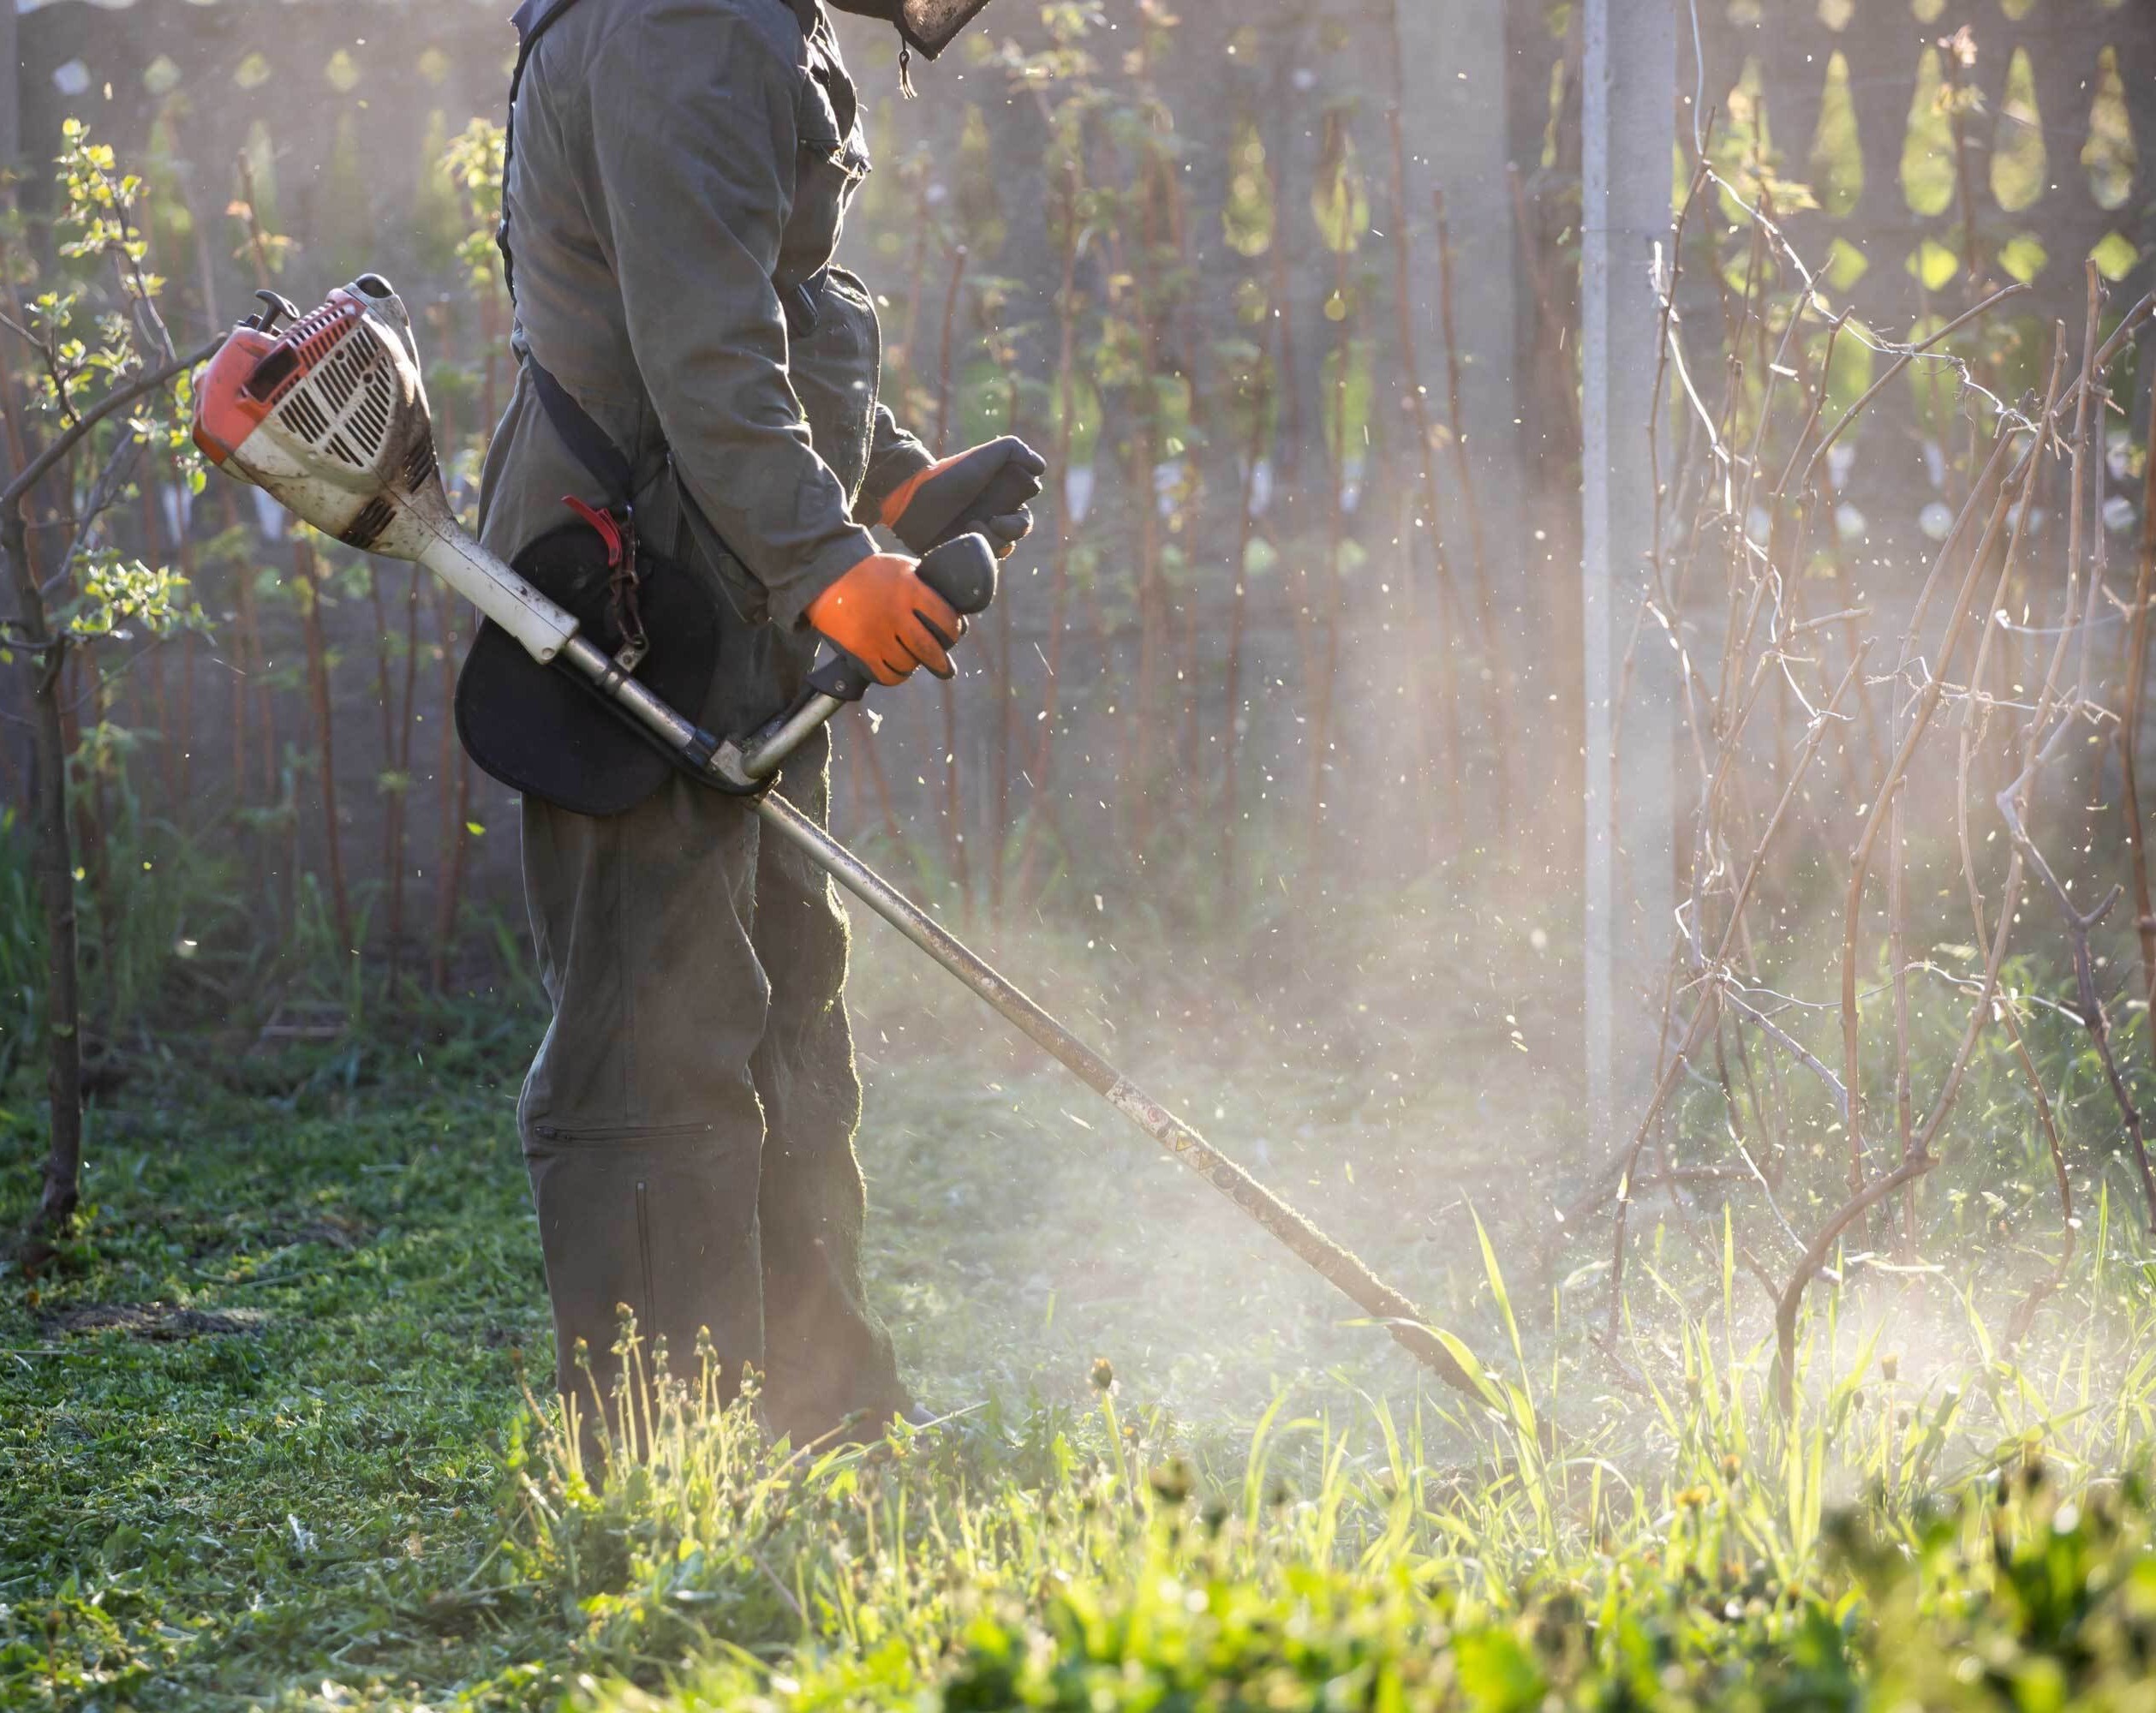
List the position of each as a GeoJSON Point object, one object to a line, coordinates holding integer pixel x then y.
{"type": "Point", "coordinates": [882, 614]}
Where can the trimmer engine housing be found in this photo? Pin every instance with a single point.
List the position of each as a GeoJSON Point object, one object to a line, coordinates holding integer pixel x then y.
{"type": "Point", "coordinates": [328, 412]}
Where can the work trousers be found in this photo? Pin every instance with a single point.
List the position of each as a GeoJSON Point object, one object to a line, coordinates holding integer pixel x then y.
{"type": "Point", "coordinates": [689, 1121]}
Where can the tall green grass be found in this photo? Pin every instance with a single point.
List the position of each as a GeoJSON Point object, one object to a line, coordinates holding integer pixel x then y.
{"type": "Point", "coordinates": [1968, 1533]}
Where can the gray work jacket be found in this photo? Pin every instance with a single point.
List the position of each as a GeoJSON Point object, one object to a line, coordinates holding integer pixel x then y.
{"type": "Point", "coordinates": [677, 163]}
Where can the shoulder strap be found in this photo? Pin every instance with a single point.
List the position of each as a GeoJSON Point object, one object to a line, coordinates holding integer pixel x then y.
{"type": "Point", "coordinates": [592, 446]}
{"type": "Point", "coordinates": [531, 21]}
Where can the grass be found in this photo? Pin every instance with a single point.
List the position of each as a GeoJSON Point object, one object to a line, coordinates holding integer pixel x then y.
{"type": "Point", "coordinates": [221, 1517]}
{"type": "Point", "coordinates": [332, 1493]}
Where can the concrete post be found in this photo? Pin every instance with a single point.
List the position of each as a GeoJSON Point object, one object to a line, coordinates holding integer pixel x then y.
{"type": "Point", "coordinates": [1628, 113]}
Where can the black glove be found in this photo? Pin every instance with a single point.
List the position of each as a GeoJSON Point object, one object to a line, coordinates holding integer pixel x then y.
{"type": "Point", "coordinates": [983, 490]}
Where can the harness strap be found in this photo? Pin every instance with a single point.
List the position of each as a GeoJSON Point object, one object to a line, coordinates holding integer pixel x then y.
{"type": "Point", "coordinates": [531, 21]}
{"type": "Point", "coordinates": [593, 447]}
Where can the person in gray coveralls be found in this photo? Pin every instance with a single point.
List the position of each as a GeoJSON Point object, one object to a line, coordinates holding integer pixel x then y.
{"type": "Point", "coordinates": [677, 176]}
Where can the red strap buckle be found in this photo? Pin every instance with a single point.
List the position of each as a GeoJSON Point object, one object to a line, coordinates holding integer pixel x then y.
{"type": "Point", "coordinates": [604, 523]}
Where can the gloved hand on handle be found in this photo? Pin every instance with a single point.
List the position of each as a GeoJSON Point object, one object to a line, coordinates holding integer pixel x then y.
{"type": "Point", "coordinates": [984, 489]}
{"type": "Point", "coordinates": [888, 619]}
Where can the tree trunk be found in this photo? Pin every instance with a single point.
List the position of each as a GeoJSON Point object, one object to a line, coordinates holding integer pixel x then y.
{"type": "Point", "coordinates": [53, 862]}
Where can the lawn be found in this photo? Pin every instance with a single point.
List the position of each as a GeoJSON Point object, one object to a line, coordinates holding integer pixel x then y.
{"type": "Point", "coordinates": [266, 1442]}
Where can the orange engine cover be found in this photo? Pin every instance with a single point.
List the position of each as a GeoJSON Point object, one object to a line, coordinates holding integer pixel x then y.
{"type": "Point", "coordinates": [225, 412]}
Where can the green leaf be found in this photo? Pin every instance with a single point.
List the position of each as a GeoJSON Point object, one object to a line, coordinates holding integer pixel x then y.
{"type": "Point", "coordinates": [1933, 264]}
{"type": "Point", "coordinates": [1497, 1673]}
{"type": "Point", "coordinates": [1496, 1278]}
{"type": "Point", "coordinates": [2020, 163]}
{"type": "Point", "coordinates": [1478, 1376]}
{"type": "Point", "coordinates": [1346, 401]}
{"type": "Point", "coordinates": [1339, 199]}
{"type": "Point", "coordinates": [1853, 366]}
{"type": "Point", "coordinates": [1836, 160]}
{"type": "Point", "coordinates": [1246, 216]}
{"type": "Point", "coordinates": [1846, 264]}
{"type": "Point", "coordinates": [2115, 256]}
{"type": "Point", "coordinates": [1927, 146]}
{"type": "Point", "coordinates": [2109, 155]}
{"type": "Point", "coordinates": [2023, 257]}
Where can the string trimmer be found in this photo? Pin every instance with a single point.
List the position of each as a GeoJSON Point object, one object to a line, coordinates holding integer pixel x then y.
{"type": "Point", "coordinates": [328, 414]}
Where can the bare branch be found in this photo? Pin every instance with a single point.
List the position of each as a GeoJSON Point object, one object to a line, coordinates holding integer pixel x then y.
{"type": "Point", "coordinates": [143, 384]}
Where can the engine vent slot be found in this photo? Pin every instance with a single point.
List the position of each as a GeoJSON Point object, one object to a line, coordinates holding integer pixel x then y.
{"type": "Point", "coordinates": [367, 528]}
{"type": "Point", "coordinates": [348, 389]}
{"type": "Point", "coordinates": [368, 417]}
{"type": "Point", "coordinates": [345, 371]}
{"type": "Point", "coordinates": [303, 416]}
{"type": "Point", "coordinates": [420, 467]}
{"type": "Point", "coordinates": [314, 334]}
